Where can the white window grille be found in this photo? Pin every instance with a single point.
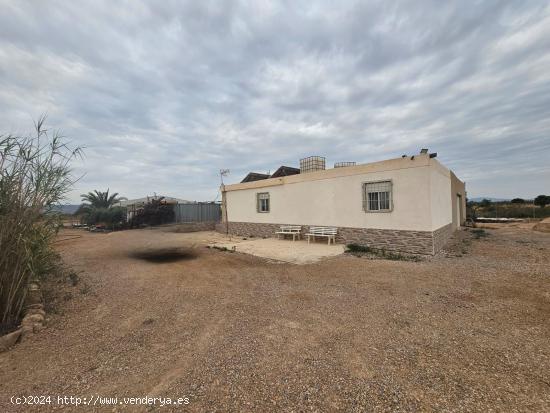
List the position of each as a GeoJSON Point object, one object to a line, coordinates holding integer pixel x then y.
{"type": "Point", "coordinates": [262, 202]}
{"type": "Point", "coordinates": [377, 196]}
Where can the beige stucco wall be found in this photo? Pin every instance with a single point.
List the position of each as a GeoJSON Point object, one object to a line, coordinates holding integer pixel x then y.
{"type": "Point", "coordinates": [458, 188]}
{"type": "Point", "coordinates": [421, 201]}
{"type": "Point", "coordinates": [440, 202]}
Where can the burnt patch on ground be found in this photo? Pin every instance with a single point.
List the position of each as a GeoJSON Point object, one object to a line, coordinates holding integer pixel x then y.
{"type": "Point", "coordinates": [164, 255]}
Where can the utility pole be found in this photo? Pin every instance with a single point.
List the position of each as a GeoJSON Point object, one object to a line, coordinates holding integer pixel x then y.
{"type": "Point", "coordinates": [224, 172]}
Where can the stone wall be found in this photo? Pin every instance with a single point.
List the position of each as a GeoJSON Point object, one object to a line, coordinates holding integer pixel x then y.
{"type": "Point", "coordinates": [414, 242]}
{"type": "Point", "coordinates": [193, 226]}
{"type": "Point", "coordinates": [441, 236]}
{"type": "Point", "coordinates": [251, 229]}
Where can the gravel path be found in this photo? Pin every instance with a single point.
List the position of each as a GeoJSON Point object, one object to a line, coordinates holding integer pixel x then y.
{"type": "Point", "coordinates": [466, 331]}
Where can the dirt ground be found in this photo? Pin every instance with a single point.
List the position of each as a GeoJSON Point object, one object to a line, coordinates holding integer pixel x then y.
{"type": "Point", "coordinates": [468, 330]}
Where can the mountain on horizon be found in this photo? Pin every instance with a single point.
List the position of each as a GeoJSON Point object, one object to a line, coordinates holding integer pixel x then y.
{"type": "Point", "coordinates": [68, 209]}
{"type": "Point", "coordinates": [481, 198]}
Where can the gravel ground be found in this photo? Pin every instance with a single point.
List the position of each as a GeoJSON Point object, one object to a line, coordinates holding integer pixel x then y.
{"type": "Point", "coordinates": [467, 331]}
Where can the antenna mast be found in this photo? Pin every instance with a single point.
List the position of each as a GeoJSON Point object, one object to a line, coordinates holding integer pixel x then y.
{"type": "Point", "coordinates": [224, 172]}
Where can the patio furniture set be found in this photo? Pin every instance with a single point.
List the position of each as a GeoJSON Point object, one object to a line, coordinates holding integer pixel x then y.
{"type": "Point", "coordinates": [296, 232]}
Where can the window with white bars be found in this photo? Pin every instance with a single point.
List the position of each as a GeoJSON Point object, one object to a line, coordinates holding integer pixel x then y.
{"type": "Point", "coordinates": [377, 196]}
{"type": "Point", "coordinates": [262, 202]}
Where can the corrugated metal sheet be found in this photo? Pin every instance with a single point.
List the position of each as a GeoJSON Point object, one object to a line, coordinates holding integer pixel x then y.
{"type": "Point", "coordinates": [199, 212]}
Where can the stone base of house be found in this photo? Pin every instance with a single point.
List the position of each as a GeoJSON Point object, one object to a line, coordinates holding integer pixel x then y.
{"type": "Point", "coordinates": [191, 226]}
{"type": "Point", "coordinates": [250, 229]}
{"type": "Point", "coordinates": [413, 242]}
{"type": "Point", "coordinates": [442, 236]}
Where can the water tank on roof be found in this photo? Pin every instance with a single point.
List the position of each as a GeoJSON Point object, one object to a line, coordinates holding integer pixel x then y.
{"type": "Point", "coordinates": [312, 164]}
{"type": "Point", "coordinates": [343, 164]}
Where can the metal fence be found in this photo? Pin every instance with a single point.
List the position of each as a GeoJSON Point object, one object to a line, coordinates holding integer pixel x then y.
{"type": "Point", "coordinates": [199, 212]}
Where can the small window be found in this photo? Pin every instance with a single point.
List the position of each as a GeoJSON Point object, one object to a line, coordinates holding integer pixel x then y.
{"type": "Point", "coordinates": [377, 196]}
{"type": "Point", "coordinates": [262, 202]}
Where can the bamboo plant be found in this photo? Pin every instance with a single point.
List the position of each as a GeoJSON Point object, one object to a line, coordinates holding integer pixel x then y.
{"type": "Point", "coordinates": [35, 175]}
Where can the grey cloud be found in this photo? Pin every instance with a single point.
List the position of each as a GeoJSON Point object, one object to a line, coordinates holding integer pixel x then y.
{"type": "Point", "coordinates": [164, 94]}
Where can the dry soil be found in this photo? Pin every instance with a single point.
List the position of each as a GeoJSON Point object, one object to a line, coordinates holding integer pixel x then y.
{"type": "Point", "coordinates": [467, 331]}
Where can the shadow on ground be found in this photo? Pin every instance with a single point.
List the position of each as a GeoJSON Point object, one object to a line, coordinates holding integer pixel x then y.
{"type": "Point", "coordinates": [164, 255]}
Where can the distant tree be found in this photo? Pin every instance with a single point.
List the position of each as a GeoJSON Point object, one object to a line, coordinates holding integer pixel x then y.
{"type": "Point", "coordinates": [109, 216]}
{"type": "Point", "coordinates": [98, 199]}
{"type": "Point", "coordinates": [518, 201]}
{"type": "Point", "coordinates": [485, 203]}
{"type": "Point", "coordinates": [99, 208]}
{"type": "Point", "coordinates": [155, 212]}
{"type": "Point", "coordinates": [542, 200]}
{"type": "Point", "coordinates": [470, 210]}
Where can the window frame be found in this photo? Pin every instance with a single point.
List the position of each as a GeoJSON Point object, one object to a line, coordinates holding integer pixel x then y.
{"type": "Point", "coordinates": [258, 202]}
{"type": "Point", "coordinates": [365, 196]}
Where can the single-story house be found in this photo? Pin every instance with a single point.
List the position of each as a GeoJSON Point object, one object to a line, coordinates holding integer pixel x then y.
{"type": "Point", "coordinates": [411, 204]}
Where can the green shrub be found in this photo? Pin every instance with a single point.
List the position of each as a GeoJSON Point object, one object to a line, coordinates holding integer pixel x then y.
{"type": "Point", "coordinates": [111, 217]}
{"type": "Point", "coordinates": [511, 210]}
{"type": "Point", "coordinates": [99, 208]}
{"type": "Point", "coordinates": [155, 212]}
{"type": "Point", "coordinates": [480, 233]}
{"type": "Point", "coordinates": [358, 248]}
{"type": "Point", "coordinates": [34, 177]}
{"type": "Point", "coordinates": [542, 200]}
{"type": "Point", "coordinates": [381, 253]}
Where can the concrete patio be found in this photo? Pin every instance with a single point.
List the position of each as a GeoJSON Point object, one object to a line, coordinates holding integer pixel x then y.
{"type": "Point", "coordinates": [296, 252]}
{"type": "Point", "coordinates": [284, 250]}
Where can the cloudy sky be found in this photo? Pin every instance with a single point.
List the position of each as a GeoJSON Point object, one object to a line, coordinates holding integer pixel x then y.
{"type": "Point", "coordinates": [165, 93]}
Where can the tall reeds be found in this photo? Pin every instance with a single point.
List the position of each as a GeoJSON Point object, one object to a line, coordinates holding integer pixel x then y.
{"type": "Point", "coordinates": [35, 175]}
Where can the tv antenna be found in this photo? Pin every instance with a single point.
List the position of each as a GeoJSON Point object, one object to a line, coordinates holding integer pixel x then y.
{"type": "Point", "coordinates": [223, 172]}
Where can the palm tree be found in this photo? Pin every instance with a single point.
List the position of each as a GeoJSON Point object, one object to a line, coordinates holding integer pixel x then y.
{"type": "Point", "coordinates": [98, 199]}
